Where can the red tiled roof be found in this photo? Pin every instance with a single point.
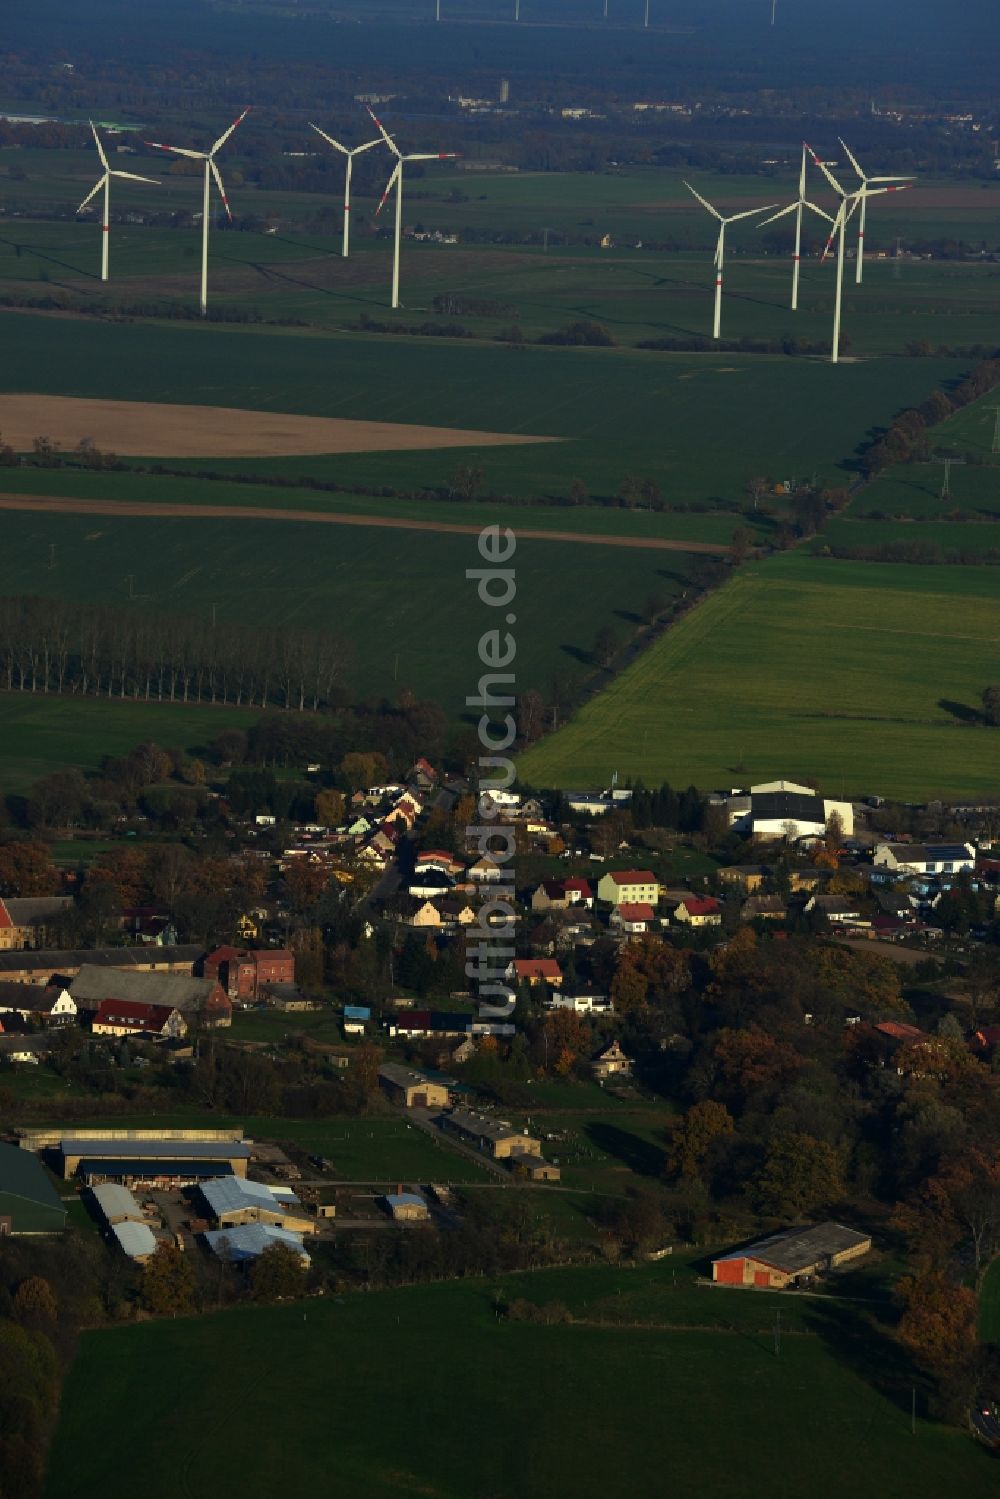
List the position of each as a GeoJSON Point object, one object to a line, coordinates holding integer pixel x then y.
{"type": "Point", "coordinates": [701, 905]}
{"type": "Point", "coordinates": [130, 1012]}
{"type": "Point", "coordinates": [580, 886]}
{"type": "Point", "coordinates": [435, 854]}
{"type": "Point", "coordinates": [896, 1030]}
{"type": "Point", "coordinates": [5, 920]}
{"type": "Point", "coordinates": [541, 968]}
{"type": "Point", "coordinates": [635, 911]}
{"type": "Point", "coordinates": [632, 876]}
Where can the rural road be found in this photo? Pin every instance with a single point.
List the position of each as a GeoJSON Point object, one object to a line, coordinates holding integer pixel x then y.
{"type": "Point", "coordinates": [67, 505]}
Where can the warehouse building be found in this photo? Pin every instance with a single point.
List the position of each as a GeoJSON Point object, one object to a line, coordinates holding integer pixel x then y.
{"type": "Point", "coordinates": [149, 1158]}
{"type": "Point", "coordinates": [137, 1240]}
{"type": "Point", "coordinates": [116, 1204]}
{"type": "Point", "coordinates": [29, 1204]}
{"type": "Point", "coordinates": [792, 1257]}
{"type": "Point", "coordinates": [38, 967]}
{"type": "Point", "coordinates": [492, 1136]}
{"type": "Point", "coordinates": [248, 1241]}
{"type": "Point", "coordinates": [232, 1200]}
{"type": "Point", "coordinates": [412, 1089]}
{"type": "Point", "coordinates": [407, 1207]}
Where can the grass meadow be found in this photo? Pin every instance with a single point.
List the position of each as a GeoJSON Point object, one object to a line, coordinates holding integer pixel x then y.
{"type": "Point", "coordinates": [858, 674]}
{"type": "Point", "coordinates": [585, 1409]}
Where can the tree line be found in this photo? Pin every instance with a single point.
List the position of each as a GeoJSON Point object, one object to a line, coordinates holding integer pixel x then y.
{"type": "Point", "coordinates": [55, 646]}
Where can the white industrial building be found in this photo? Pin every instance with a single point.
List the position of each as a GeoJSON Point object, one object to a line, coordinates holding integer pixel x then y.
{"type": "Point", "coordinates": [782, 809]}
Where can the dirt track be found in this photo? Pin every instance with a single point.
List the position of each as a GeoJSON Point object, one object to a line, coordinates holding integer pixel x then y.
{"type": "Point", "coordinates": [156, 429]}
{"type": "Point", "coordinates": [67, 505]}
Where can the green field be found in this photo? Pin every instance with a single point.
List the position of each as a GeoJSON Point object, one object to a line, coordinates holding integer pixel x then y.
{"type": "Point", "coordinates": [803, 667]}
{"type": "Point", "coordinates": [581, 1410]}
{"type": "Point", "coordinates": [41, 733]}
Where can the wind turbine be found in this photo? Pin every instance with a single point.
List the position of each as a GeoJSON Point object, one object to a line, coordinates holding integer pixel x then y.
{"type": "Point", "coordinates": [104, 181]}
{"type": "Point", "coordinates": [211, 170]}
{"type": "Point", "coordinates": [350, 154]}
{"type": "Point", "coordinates": [866, 182]}
{"type": "Point", "coordinates": [720, 248]}
{"type": "Point", "coordinates": [396, 180]}
{"type": "Point", "coordinates": [800, 203]}
{"type": "Point", "coordinates": [848, 203]}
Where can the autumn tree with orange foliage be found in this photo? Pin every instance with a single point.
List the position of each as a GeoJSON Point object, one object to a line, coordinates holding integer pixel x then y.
{"type": "Point", "coordinates": [693, 1136]}
{"type": "Point", "coordinates": [959, 1204]}
{"type": "Point", "coordinates": [750, 1064]}
{"type": "Point", "coordinates": [26, 869]}
{"type": "Point", "coordinates": [938, 1325]}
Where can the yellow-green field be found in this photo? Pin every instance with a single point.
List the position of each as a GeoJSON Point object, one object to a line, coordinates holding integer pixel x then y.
{"type": "Point", "coordinates": [862, 675]}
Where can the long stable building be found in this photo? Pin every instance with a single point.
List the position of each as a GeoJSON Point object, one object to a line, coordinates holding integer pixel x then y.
{"type": "Point", "coordinates": [155, 1158]}
{"type": "Point", "coordinates": [797, 1254]}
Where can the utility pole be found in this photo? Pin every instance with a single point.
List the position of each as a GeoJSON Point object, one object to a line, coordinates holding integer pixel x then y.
{"type": "Point", "coordinates": [52, 555]}
{"type": "Point", "coordinates": [545, 241]}
{"type": "Point", "coordinates": [130, 580]}
{"type": "Point", "coordinates": [214, 607]}
{"type": "Point", "coordinates": [913, 1410]}
{"type": "Point", "coordinates": [896, 262]}
{"type": "Point", "coordinates": [777, 1334]}
{"type": "Point", "coordinates": [996, 428]}
{"type": "Point", "coordinates": [947, 464]}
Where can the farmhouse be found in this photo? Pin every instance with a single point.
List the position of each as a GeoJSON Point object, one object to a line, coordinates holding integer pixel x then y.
{"type": "Point", "coordinates": [123, 1017]}
{"type": "Point", "coordinates": [611, 1062]}
{"type": "Point", "coordinates": [411, 1089]}
{"type": "Point", "coordinates": [199, 1000]}
{"type": "Point", "coordinates": [534, 971]}
{"type": "Point", "coordinates": [29, 1204]}
{"type": "Point", "coordinates": [791, 1257]}
{"type": "Point", "coordinates": [925, 858]}
{"type": "Point", "coordinates": [493, 1137]}
{"type": "Point", "coordinates": [629, 886]}
{"type": "Point", "coordinates": [631, 917]}
{"type": "Point", "coordinates": [53, 1005]}
{"type": "Point", "coordinates": [699, 911]}
{"type": "Point", "coordinates": [559, 895]}
{"type": "Point", "coordinates": [25, 921]}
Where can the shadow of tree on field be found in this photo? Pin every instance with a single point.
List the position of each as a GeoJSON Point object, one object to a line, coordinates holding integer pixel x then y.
{"type": "Point", "coordinates": [641, 1156]}
{"type": "Point", "coordinates": [961, 711]}
{"type": "Point", "coordinates": [860, 1337]}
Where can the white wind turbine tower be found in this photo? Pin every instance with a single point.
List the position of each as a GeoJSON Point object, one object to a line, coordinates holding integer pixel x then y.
{"type": "Point", "coordinates": [350, 154]}
{"type": "Point", "coordinates": [396, 180]}
{"type": "Point", "coordinates": [211, 170]}
{"type": "Point", "coordinates": [848, 203]}
{"type": "Point", "coordinates": [866, 182]}
{"type": "Point", "coordinates": [105, 182]}
{"type": "Point", "coordinates": [720, 248]}
{"type": "Point", "coordinates": [801, 203]}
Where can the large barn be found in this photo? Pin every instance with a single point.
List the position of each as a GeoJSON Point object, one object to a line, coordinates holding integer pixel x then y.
{"type": "Point", "coordinates": [29, 1204]}
{"type": "Point", "coordinates": [790, 1257]}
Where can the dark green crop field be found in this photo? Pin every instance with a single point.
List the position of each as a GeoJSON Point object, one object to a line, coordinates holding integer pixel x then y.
{"type": "Point", "coordinates": [584, 1410]}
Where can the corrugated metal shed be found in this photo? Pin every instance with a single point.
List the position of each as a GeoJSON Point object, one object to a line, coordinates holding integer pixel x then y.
{"type": "Point", "coordinates": [136, 1239]}
{"type": "Point", "coordinates": [152, 1150]}
{"type": "Point", "coordinates": [246, 1241]}
{"type": "Point", "coordinates": [117, 1203]}
{"type": "Point", "coordinates": [228, 1194]}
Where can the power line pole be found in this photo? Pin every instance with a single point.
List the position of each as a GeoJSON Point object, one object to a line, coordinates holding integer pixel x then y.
{"type": "Point", "coordinates": [913, 1410]}
{"type": "Point", "coordinates": [996, 428]}
{"type": "Point", "coordinates": [947, 464]}
{"type": "Point", "coordinates": [898, 258]}
{"type": "Point", "coordinates": [777, 1334]}
{"type": "Point", "coordinates": [130, 580]}
{"type": "Point", "coordinates": [214, 608]}
{"type": "Point", "coordinates": [52, 555]}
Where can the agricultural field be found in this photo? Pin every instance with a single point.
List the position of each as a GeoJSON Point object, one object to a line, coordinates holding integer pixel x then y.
{"type": "Point", "coordinates": [41, 734]}
{"type": "Point", "coordinates": [731, 1402]}
{"type": "Point", "coordinates": [861, 675]}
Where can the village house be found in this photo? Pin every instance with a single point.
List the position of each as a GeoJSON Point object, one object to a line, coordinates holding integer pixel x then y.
{"type": "Point", "coordinates": [51, 1005]}
{"type": "Point", "coordinates": [560, 895]}
{"type": "Point", "coordinates": [534, 971]}
{"type": "Point", "coordinates": [747, 877]}
{"type": "Point", "coordinates": [581, 1000]}
{"type": "Point", "coordinates": [200, 1000]}
{"type": "Point", "coordinates": [629, 887]}
{"type": "Point", "coordinates": [611, 1062]}
{"type": "Point", "coordinates": [630, 918]}
{"type": "Point", "coordinates": [25, 922]}
{"type": "Point", "coordinates": [699, 911]}
{"type": "Point", "coordinates": [763, 908]}
{"type": "Point", "coordinates": [243, 973]}
{"type": "Point", "coordinates": [122, 1017]}
{"type": "Point", "coordinates": [925, 858]}
{"type": "Point", "coordinates": [836, 908]}
{"type": "Point", "coordinates": [418, 913]}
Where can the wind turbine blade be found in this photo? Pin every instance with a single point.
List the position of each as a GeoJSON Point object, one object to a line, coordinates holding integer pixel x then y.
{"type": "Point", "coordinates": [852, 159]}
{"type": "Point", "coordinates": [100, 148]}
{"type": "Point", "coordinates": [749, 213]}
{"type": "Point", "coordinates": [821, 211]}
{"type": "Point", "coordinates": [389, 187]}
{"type": "Point", "coordinates": [703, 201]}
{"type": "Point", "coordinates": [329, 139]}
{"type": "Point", "coordinates": [833, 232]}
{"type": "Point", "coordinates": [222, 191]}
{"type": "Point", "coordinates": [134, 177]}
{"type": "Point", "coordinates": [782, 213]}
{"type": "Point", "coordinates": [93, 193]}
{"type": "Point", "coordinates": [367, 146]}
{"type": "Point", "coordinates": [432, 156]}
{"type": "Point", "coordinates": [719, 244]}
{"type": "Point", "coordinates": [227, 133]}
{"type": "Point", "coordinates": [177, 150]}
{"type": "Point", "coordinates": [826, 171]}
{"type": "Point", "coordinates": [383, 132]}
{"type": "Point", "coordinates": [891, 179]}
{"type": "Point", "coordinates": [875, 192]}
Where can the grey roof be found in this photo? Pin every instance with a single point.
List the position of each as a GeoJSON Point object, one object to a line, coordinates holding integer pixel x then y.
{"type": "Point", "coordinates": [116, 1201]}
{"type": "Point", "coordinates": [23, 1175]}
{"type": "Point", "coordinates": [135, 1238]}
{"type": "Point", "coordinates": [37, 998]}
{"type": "Point", "coordinates": [154, 1150]}
{"type": "Point", "coordinates": [228, 1194]}
{"type": "Point", "coordinates": [792, 806]}
{"type": "Point", "coordinates": [245, 1241]}
{"type": "Point", "coordinates": [27, 910]}
{"type": "Point", "coordinates": [65, 960]}
{"type": "Point", "coordinates": [404, 1077]}
{"type": "Point", "coordinates": [22, 1041]}
{"type": "Point", "coordinates": [405, 1200]}
{"type": "Point", "coordinates": [94, 984]}
{"type": "Point", "coordinates": [798, 1249]}
{"type": "Point", "coordinates": [479, 1124]}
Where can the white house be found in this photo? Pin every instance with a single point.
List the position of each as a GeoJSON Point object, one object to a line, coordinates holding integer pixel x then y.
{"type": "Point", "coordinates": [925, 858]}
{"type": "Point", "coordinates": [582, 1001]}
{"type": "Point", "coordinates": [629, 887]}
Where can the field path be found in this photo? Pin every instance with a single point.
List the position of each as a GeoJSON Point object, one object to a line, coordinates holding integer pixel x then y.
{"type": "Point", "coordinates": [67, 505]}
